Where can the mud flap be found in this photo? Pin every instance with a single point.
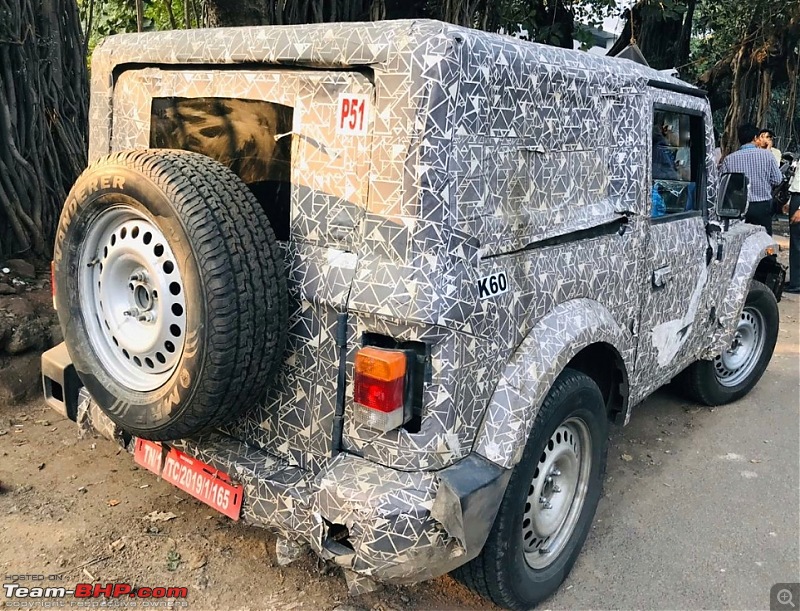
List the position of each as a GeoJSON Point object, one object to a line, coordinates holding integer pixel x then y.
{"type": "Point", "coordinates": [468, 498]}
{"type": "Point", "coordinates": [91, 420]}
{"type": "Point", "coordinates": [772, 274]}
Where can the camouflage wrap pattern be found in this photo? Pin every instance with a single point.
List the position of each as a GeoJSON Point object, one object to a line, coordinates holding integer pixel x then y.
{"type": "Point", "coordinates": [484, 155]}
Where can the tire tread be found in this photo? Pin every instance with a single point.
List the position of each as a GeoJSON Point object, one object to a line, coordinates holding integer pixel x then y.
{"type": "Point", "coordinates": [698, 381]}
{"type": "Point", "coordinates": [487, 574]}
{"type": "Point", "coordinates": [242, 274]}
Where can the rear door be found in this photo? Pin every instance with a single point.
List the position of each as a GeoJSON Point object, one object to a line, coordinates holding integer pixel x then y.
{"type": "Point", "coordinates": [301, 140]}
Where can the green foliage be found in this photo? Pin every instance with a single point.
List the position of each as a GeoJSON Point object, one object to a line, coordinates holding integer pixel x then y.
{"type": "Point", "coordinates": [119, 17]}
{"type": "Point", "coordinates": [535, 20]}
{"type": "Point", "coordinates": [722, 27]}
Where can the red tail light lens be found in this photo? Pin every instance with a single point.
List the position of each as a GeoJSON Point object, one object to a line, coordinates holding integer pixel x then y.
{"type": "Point", "coordinates": [379, 388]}
{"type": "Point", "coordinates": [377, 394]}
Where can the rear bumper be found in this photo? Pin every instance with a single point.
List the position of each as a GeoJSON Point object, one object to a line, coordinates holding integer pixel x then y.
{"type": "Point", "coordinates": [395, 526]}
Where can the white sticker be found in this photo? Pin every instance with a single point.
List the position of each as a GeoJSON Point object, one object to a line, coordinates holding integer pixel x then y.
{"type": "Point", "coordinates": [493, 285]}
{"type": "Point", "coordinates": [352, 116]}
{"type": "Point", "coordinates": [340, 258]}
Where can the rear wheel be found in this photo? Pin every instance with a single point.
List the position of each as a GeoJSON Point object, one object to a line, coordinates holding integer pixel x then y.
{"type": "Point", "coordinates": [550, 500]}
{"type": "Point", "coordinates": [170, 291]}
{"type": "Point", "coordinates": [732, 374]}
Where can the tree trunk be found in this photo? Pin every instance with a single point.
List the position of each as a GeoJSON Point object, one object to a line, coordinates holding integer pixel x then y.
{"type": "Point", "coordinates": [43, 119]}
{"type": "Point", "coordinates": [793, 71]}
{"type": "Point", "coordinates": [88, 32]}
{"type": "Point", "coordinates": [737, 108]}
{"type": "Point", "coordinates": [139, 16]}
{"type": "Point", "coordinates": [682, 56]}
{"type": "Point", "coordinates": [657, 34]}
{"type": "Point", "coordinates": [764, 96]}
{"type": "Point", "coordinates": [222, 13]}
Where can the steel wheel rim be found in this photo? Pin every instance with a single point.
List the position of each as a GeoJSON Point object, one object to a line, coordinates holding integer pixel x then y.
{"type": "Point", "coordinates": [736, 364]}
{"type": "Point", "coordinates": [557, 493]}
{"type": "Point", "coordinates": [132, 298]}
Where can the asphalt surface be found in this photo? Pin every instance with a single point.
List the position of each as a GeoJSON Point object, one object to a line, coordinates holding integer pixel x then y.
{"type": "Point", "coordinates": [701, 507]}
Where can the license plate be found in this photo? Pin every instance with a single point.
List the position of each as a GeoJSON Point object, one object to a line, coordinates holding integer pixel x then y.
{"type": "Point", "coordinates": [202, 481]}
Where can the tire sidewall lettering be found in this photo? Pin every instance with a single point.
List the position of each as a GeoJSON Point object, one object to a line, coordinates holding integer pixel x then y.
{"type": "Point", "coordinates": [98, 188]}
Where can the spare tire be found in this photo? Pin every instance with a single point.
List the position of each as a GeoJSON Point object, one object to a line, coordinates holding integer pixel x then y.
{"type": "Point", "coordinates": [171, 291]}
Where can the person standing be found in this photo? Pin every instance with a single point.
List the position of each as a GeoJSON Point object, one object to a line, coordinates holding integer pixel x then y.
{"type": "Point", "coordinates": [765, 140]}
{"type": "Point", "coordinates": [794, 234]}
{"type": "Point", "coordinates": [762, 172]}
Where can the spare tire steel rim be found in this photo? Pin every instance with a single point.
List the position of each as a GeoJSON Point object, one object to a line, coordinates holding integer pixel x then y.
{"type": "Point", "coordinates": [736, 364]}
{"type": "Point", "coordinates": [557, 493]}
{"type": "Point", "coordinates": [132, 298]}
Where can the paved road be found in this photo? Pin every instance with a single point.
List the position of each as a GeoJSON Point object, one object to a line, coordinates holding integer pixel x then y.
{"type": "Point", "coordinates": [706, 514]}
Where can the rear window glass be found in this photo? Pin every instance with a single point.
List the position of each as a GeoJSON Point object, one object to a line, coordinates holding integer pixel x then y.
{"type": "Point", "coordinates": [251, 137]}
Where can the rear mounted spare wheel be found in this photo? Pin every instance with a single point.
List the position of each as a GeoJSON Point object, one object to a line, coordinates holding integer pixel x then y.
{"type": "Point", "coordinates": [171, 291]}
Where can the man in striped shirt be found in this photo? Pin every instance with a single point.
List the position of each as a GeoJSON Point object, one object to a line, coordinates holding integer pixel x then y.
{"type": "Point", "coordinates": [762, 172]}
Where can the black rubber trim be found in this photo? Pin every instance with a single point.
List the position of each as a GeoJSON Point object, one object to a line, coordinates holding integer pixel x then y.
{"type": "Point", "coordinates": [608, 227]}
{"type": "Point", "coordinates": [677, 216]}
{"type": "Point", "coordinates": [341, 383]}
{"type": "Point", "coordinates": [676, 88]}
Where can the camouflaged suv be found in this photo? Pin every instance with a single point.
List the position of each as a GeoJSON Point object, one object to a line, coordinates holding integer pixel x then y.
{"type": "Point", "coordinates": [382, 287]}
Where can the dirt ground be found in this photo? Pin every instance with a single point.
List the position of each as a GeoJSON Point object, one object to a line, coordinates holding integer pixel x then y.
{"type": "Point", "coordinates": [81, 509]}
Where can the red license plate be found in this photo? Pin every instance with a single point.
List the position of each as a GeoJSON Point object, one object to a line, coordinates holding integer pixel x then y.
{"type": "Point", "coordinates": [202, 481]}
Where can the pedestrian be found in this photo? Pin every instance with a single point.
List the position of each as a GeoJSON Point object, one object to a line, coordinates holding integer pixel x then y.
{"type": "Point", "coordinates": [793, 209]}
{"type": "Point", "coordinates": [762, 173]}
{"type": "Point", "coordinates": [765, 140]}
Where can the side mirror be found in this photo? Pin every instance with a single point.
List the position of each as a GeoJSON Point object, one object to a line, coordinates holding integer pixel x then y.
{"type": "Point", "coordinates": [732, 196]}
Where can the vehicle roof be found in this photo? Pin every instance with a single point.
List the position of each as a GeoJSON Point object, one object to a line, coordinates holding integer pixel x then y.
{"type": "Point", "coordinates": [339, 45]}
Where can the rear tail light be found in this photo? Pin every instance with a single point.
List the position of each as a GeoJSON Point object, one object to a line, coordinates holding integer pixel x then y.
{"type": "Point", "coordinates": [53, 282]}
{"type": "Point", "coordinates": [379, 389]}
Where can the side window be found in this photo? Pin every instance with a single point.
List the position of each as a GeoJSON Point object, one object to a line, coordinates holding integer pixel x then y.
{"type": "Point", "coordinates": [678, 162]}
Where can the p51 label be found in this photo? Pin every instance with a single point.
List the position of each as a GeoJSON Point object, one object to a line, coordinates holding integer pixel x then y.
{"type": "Point", "coordinates": [352, 115]}
{"type": "Point", "coordinates": [493, 285]}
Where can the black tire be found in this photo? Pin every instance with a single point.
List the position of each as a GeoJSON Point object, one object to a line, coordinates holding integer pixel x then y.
{"type": "Point", "coordinates": [700, 380]}
{"type": "Point", "coordinates": [232, 279]}
{"type": "Point", "coordinates": [501, 572]}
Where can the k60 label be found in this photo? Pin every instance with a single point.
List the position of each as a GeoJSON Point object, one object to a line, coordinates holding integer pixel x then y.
{"type": "Point", "coordinates": [492, 285]}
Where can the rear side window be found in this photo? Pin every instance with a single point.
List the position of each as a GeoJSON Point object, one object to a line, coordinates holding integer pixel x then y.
{"type": "Point", "coordinates": [678, 157]}
{"type": "Point", "coordinates": [251, 137]}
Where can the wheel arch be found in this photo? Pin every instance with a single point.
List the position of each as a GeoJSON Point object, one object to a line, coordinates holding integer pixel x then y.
{"type": "Point", "coordinates": [756, 260]}
{"type": "Point", "coordinates": [603, 363]}
{"type": "Point", "coordinates": [574, 334]}
{"type": "Point", "coordinates": [771, 274]}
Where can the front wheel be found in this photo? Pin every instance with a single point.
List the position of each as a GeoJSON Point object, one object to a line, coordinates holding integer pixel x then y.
{"type": "Point", "coordinates": [550, 501]}
{"type": "Point", "coordinates": [732, 374]}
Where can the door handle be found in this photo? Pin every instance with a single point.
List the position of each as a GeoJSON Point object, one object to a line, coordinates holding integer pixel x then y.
{"type": "Point", "coordinates": [661, 276]}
